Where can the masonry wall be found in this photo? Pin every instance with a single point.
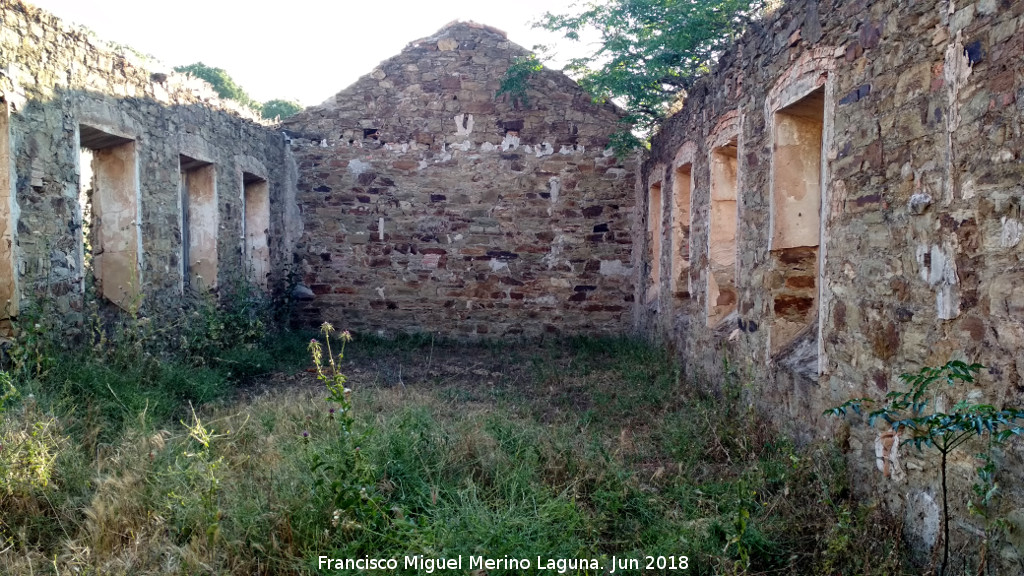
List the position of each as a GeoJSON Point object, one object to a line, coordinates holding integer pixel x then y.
{"type": "Point", "coordinates": [917, 256]}
{"type": "Point", "coordinates": [63, 91]}
{"type": "Point", "coordinates": [429, 204]}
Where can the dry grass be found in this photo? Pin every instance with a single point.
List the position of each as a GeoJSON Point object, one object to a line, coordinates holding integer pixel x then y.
{"type": "Point", "coordinates": [587, 448]}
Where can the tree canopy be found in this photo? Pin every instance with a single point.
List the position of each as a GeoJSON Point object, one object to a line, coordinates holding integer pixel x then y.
{"type": "Point", "coordinates": [226, 88]}
{"type": "Point", "coordinates": [278, 108]}
{"type": "Point", "coordinates": [220, 80]}
{"type": "Point", "coordinates": [650, 50]}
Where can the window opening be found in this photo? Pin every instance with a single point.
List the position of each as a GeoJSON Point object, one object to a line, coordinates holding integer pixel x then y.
{"type": "Point", "coordinates": [109, 199]}
{"type": "Point", "coordinates": [796, 216]}
{"type": "Point", "coordinates": [722, 295]}
{"type": "Point", "coordinates": [256, 225]}
{"type": "Point", "coordinates": [199, 224]}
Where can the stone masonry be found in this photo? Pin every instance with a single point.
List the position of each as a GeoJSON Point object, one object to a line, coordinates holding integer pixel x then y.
{"type": "Point", "coordinates": [429, 204]}
{"type": "Point", "coordinates": [877, 225]}
{"type": "Point", "coordinates": [99, 150]}
{"type": "Point", "coordinates": [837, 203]}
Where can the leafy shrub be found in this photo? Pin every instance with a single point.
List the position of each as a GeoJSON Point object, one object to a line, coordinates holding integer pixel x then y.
{"type": "Point", "coordinates": [915, 416]}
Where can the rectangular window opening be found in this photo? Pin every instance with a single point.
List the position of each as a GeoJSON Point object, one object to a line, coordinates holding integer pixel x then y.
{"type": "Point", "coordinates": [256, 228]}
{"type": "Point", "coordinates": [796, 216]}
{"type": "Point", "coordinates": [682, 188]}
{"type": "Point", "coordinates": [199, 224]}
{"type": "Point", "coordinates": [109, 199]}
{"type": "Point", "coordinates": [654, 229]}
{"type": "Point", "coordinates": [8, 227]}
{"type": "Point", "coordinates": [722, 295]}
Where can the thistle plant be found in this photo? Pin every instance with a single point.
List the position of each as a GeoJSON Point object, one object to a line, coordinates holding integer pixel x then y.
{"type": "Point", "coordinates": [923, 426]}
{"type": "Point", "coordinates": [340, 471]}
{"type": "Point", "coordinates": [329, 373]}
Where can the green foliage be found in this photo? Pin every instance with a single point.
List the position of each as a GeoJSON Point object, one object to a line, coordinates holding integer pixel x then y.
{"type": "Point", "coordinates": [192, 503]}
{"type": "Point", "coordinates": [33, 349]}
{"type": "Point", "coordinates": [226, 88]}
{"type": "Point", "coordinates": [280, 109]}
{"type": "Point", "coordinates": [331, 377]}
{"type": "Point", "coordinates": [235, 318]}
{"type": "Point", "coordinates": [221, 81]}
{"type": "Point", "coordinates": [8, 392]}
{"type": "Point", "coordinates": [339, 471]}
{"type": "Point", "coordinates": [908, 413]}
{"type": "Point", "coordinates": [595, 448]}
{"type": "Point", "coordinates": [650, 51]}
{"type": "Point", "coordinates": [915, 416]}
{"type": "Point", "coordinates": [516, 80]}
{"type": "Point", "coordinates": [30, 442]}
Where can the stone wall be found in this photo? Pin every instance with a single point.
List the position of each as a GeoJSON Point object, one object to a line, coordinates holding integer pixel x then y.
{"type": "Point", "coordinates": [430, 204]}
{"type": "Point", "coordinates": [63, 91]}
{"type": "Point", "coordinates": [888, 241]}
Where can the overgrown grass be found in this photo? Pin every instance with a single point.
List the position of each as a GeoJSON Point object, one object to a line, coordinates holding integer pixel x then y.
{"type": "Point", "coordinates": [588, 448]}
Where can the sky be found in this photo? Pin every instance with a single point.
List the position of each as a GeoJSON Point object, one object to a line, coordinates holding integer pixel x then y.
{"type": "Point", "coordinates": [303, 50]}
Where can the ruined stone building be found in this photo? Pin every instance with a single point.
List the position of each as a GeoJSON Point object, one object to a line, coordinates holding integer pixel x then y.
{"type": "Point", "coordinates": [142, 176]}
{"type": "Point", "coordinates": [416, 200]}
{"type": "Point", "coordinates": [431, 205]}
{"type": "Point", "coordinates": [837, 203]}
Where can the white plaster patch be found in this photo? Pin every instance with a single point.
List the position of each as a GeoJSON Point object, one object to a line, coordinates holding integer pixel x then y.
{"type": "Point", "coordinates": [968, 189]}
{"type": "Point", "coordinates": [616, 172]}
{"type": "Point", "coordinates": [547, 300]}
{"type": "Point", "coordinates": [545, 149]}
{"type": "Point", "coordinates": [554, 256]}
{"type": "Point", "coordinates": [608, 152]}
{"type": "Point", "coordinates": [1011, 232]}
{"type": "Point", "coordinates": [510, 141]}
{"type": "Point", "coordinates": [487, 147]}
{"type": "Point", "coordinates": [923, 515]}
{"type": "Point", "coordinates": [422, 165]}
{"type": "Point", "coordinates": [380, 292]}
{"type": "Point", "coordinates": [919, 202]}
{"type": "Point", "coordinates": [887, 455]}
{"type": "Point", "coordinates": [463, 124]}
{"type": "Point", "coordinates": [528, 149]}
{"type": "Point", "coordinates": [940, 273]}
{"type": "Point", "coordinates": [614, 268]}
{"type": "Point", "coordinates": [570, 150]}
{"type": "Point", "coordinates": [380, 229]}
{"type": "Point", "coordinates": [938, 269]}
{"type": "Point", "coordinates": [357, 166]}
{"type": "Point", "coordinates": [465, 145]}
{"type": "Point", "coordinates": [907, 171]}
{"type": "Point", "coordinates": [554, 187]}
{"type": "Point", "coordinates": [1002, 156]}
{"type": "Point", "coordinates": [497, 265]}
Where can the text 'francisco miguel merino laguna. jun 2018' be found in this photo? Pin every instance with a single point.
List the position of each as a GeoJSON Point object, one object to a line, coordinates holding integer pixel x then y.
{"type": "Point", "coordinates": [554, 565]}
